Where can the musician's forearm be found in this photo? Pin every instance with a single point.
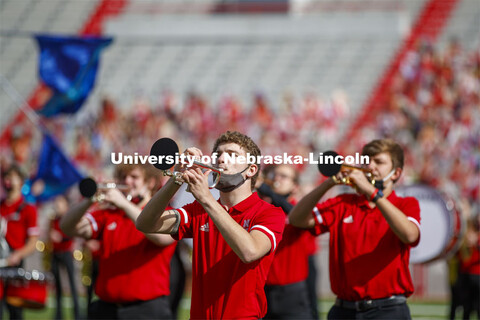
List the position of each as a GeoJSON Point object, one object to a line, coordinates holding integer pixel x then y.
{"type": "Point", "coordinates": [73, 216]}
{"type": "Point", "coordinates": [300, 216]}
{"type": "Point", "coordinates": [28, 248]}
{"type": "Point", "coordinates": [150, 219]}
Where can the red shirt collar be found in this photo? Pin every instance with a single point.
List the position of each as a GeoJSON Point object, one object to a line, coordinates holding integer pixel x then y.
{"type": "Point", "coordinates": [243, 205]}
{"type": "Point", "coordinates": [13, 205]}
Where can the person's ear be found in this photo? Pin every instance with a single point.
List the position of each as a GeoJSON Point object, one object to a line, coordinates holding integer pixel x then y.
{"type": "Point", "coordinates": [397, 174]}
{"type": "Point", "coordinates": [252, 170]}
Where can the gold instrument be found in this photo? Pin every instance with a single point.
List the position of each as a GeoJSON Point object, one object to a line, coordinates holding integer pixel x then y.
{"type": "Point", "coordinates": [332, 169]}
{"type": "Point", "coordinates": [348, 168]}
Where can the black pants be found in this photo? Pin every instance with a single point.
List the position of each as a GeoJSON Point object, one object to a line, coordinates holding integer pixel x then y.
{"type": "Point", "coordinates": [399, 311]}
{"type": "Point", "coordinates": [15, 313]}
{"type": "Point", "coordinates": [312, 286]}
{"type": "Point", "coordinates": [177, 282]}
{"type": "Point", "coordinates": [65, 259]}
{"type": "Point", "coordinates": [288, 302]}
{"type": "Point", "coordinates": [158, 308]}
{"type": "Point", "coordinates": [91, 287]}
{"type": "Point", "coordinates": [471, 297]}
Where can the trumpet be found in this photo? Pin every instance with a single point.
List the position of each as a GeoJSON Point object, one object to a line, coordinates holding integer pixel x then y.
{"type": "Point", "coordinates": [346, 180]}
{"type": "Point", "coordinates": [165, 148]}
{"type": "Point", "coordinates": [96, 191]}
{"type": "Point", "coordinates": [331, 170]}
{"type": "Point", "coordinates": [217, 172]}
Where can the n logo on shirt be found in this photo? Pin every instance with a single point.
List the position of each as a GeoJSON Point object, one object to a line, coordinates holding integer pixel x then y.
{"type": "Point", "coordinates": [112, 226]}
{"type": "Point", "coordinates": [246, 224]}
{"type": "Point", "coordinates": [205, 227]}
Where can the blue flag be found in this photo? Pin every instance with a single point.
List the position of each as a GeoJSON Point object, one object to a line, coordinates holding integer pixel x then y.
{"type": "Point", "coordinates": [55, 171]}
{"type": "Point", "coordinates": [68, 65]}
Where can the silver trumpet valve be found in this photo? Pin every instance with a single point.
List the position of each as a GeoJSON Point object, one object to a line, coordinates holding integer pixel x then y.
{"type": "Point", "coordinates": [166, 147]}
{"type": "Point", "coordinates": [216, 173]}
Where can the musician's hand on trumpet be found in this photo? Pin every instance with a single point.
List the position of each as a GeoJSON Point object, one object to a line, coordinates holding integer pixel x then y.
{"type": "Point", "coordinates": [198, 183]}
{"type": "Point", "coordinates": [106, 193]}
{"type": "Point", "coordinates": [181, 168]}
{"type": "Point", "coordinates": [359, 178]}
{"type": "Point", "coordinates": [115, 197]}
{"type": "Point", "coordinates": [166, 147]}
{"type": "Point", "coordinates": [361, 183]}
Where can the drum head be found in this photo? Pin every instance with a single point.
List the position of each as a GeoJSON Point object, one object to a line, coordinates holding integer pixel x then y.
{"type": "Point", "coordinates": [436, 222]}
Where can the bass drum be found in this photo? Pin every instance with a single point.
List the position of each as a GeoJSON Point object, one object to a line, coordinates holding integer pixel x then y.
{"type": "Point", "coordinates": [441, 226]}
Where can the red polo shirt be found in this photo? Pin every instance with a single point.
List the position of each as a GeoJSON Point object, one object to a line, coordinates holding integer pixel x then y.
{"type": "Point", "coordinates": [367, 260]}
{"type": "Point", "coordinates": [223, 286]}
{"type": "Point", "coordinates": [21, 222]}
{"type": "Point", "coordinates": [290, 264]}
{"type": "Point", "coordinates": [471, 264]}
{"type": "Point", "coordinates": [313, 246]}
{"type": "Point", "coordinates": [66, 244]}
{"type": "Point", "coordinates": [131, 267]}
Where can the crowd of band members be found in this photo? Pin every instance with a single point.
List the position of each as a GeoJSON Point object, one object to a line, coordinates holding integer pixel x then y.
{"type": "Point", "coordinates": [260, 251]}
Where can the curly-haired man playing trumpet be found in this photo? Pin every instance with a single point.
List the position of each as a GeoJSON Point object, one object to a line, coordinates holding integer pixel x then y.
{"type": "Point", "coordinates": [234, 238]}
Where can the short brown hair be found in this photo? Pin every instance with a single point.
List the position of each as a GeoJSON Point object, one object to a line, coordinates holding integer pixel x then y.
{"type": "Point", "coordinates": [123, 169]}
{"type": "Point", "coordinates": [151, 175]}
{"type": "Point", "coordinates": [243, 141]}
{"type": "Point", "coordinates": [17, 169]}
{"type": "Point", "coordinates": [395, 151]}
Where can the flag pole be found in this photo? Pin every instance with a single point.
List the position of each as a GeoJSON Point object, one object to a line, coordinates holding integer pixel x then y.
{"type": "Point", "coordinates": [21, 103]}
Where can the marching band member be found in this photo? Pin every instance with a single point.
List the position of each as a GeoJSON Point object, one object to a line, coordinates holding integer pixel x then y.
{"type": "Point", "coordinates": [62, 255]}
{"type": "Point", "coordinates": [286, 287]}
{"type": "Point", "coordinates": [21, 225]}
{"type": "Point", "coordinates": [234, 238]}
{"type": "Point", "coordinates": [134, 268]}
{"type": "Point", "coordinates": [371, 233]}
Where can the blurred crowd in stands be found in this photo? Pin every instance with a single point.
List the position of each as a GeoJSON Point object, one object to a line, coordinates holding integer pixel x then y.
{"type": "Point", "coordinates": [433, 110]}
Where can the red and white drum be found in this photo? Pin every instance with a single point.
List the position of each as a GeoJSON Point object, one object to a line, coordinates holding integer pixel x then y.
{"type": "Point", "coordinates": [441, 225]}
{"type": "Point", "coordinates": [25, 289]}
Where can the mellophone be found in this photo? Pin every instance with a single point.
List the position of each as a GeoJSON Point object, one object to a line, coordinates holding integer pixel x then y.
{"type": "Point", "coordinates": [166, 147]}
{"type": "Point", "coordinates": [24, 289]}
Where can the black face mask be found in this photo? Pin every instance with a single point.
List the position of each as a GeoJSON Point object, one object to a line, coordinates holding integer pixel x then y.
{"type": "Point", "coordinates": [230, 182]}
{"type": "Point", "coordinates": [379, 183]}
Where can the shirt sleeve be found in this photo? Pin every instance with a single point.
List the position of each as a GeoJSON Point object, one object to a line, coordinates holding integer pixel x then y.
{"type": "Point", "coordinates": [186, 221]}
{"type": "Point", "coordinates": [31, 221]}
{"type": "Point", "coordinates": [411, 208]}
{"type": "Point", "coordinates": [324, 214]}
{"type": "Point", "coordinates": [97, 222]}
{"type": "Point", "coordinates": [271, 222]}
